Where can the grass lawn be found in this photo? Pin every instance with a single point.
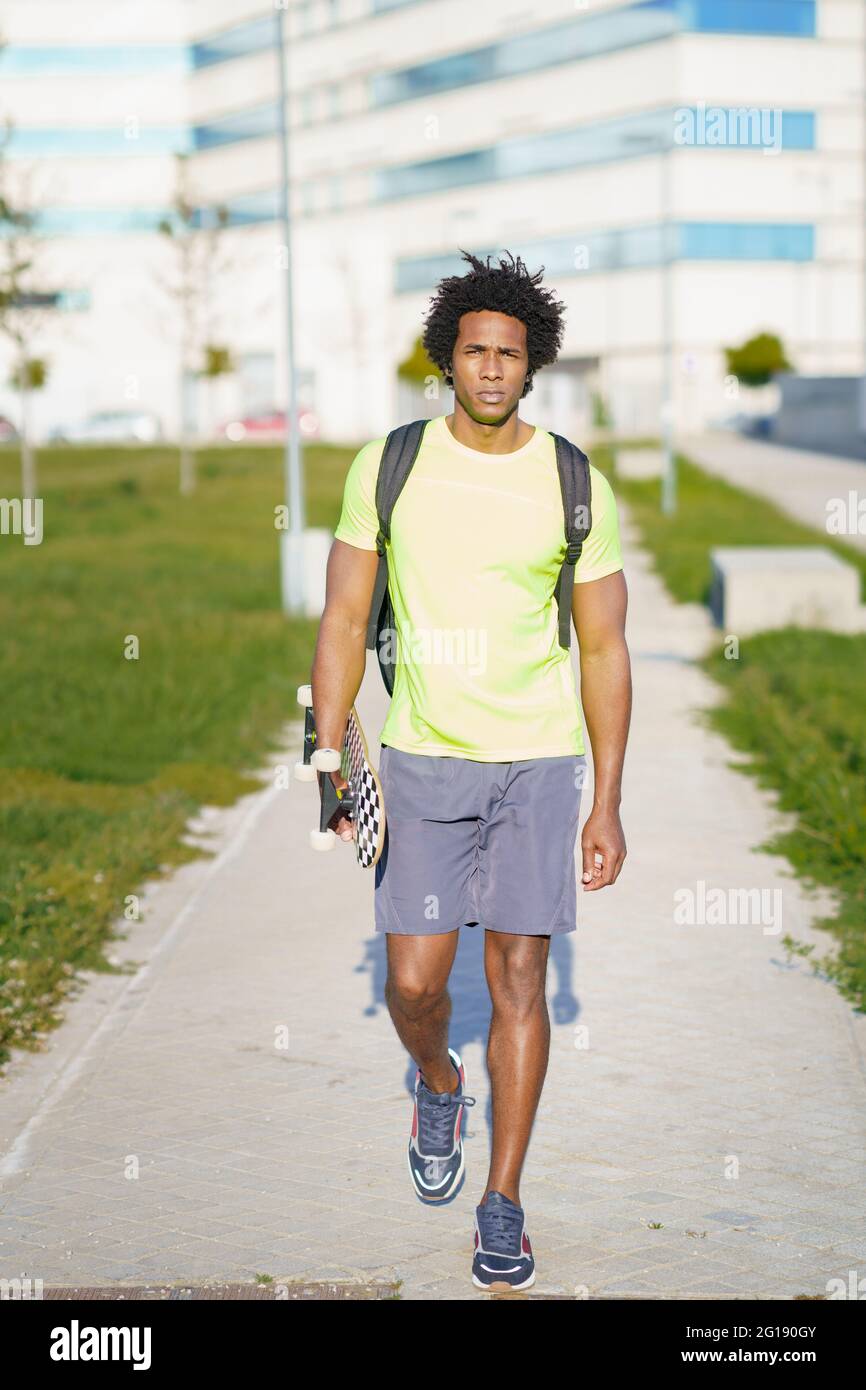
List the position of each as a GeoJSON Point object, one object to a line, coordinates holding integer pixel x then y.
{"type": "Point", "coordinates": [794, 699]}
{"type": "Point", "coordinates": [104, 759]}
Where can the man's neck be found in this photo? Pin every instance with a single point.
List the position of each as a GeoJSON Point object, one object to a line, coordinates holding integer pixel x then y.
{"type": "Point", "coordinates": [489, 439]}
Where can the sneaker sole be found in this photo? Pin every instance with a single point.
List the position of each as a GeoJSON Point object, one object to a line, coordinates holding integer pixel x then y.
{"type": "Point", "coordinates": [500, 1285]}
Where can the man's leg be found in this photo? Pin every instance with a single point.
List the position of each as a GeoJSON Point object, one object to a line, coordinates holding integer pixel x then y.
{"type": "Point", "coordinates": [517, 1049]}
{"type": "Point", "coordinates": [416, 992]}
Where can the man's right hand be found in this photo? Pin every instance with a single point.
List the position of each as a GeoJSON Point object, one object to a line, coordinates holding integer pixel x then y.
{"type": "Point", "coordinates": [340, 824]}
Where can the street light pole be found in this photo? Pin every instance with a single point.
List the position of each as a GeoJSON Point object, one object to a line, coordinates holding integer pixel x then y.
{"type": "Point", "coordinates": [291, 553]}
{"type": "Point", "coordinates": [664, 147]}
{"type": "Point", "coordinates": [669, 479]}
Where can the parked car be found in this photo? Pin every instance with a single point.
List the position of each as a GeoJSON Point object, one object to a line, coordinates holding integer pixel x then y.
{"type": "Point", "coordinates": [8, 432]}
{"type": "Point", "coordinates": [756, 426]}
{"type": "Point", "coordinates": [112, 427]}
{"type": "Point", "coordinates": [268, 424]}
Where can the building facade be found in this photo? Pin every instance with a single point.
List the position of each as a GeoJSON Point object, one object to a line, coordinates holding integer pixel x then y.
{"type": "Point", "coordinates": [688, 172]}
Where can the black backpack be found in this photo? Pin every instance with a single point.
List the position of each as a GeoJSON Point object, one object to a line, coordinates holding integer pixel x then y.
{"type": "Point", "coordinates": [398, 456]}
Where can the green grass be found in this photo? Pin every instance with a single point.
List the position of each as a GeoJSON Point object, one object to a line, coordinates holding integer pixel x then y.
{"type": "Point", "coordinates": [794, 701]}
{"type": "Point", "coordinates": [103, 759]}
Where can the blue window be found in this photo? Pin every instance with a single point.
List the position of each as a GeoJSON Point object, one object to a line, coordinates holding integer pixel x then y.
{"type": "Point", "coordinates": [237, 42]}
{"type": "Point", "coordinates": [84, 142]}
{"type": "Point", "coordinates": [594, 143]}
{"type": "Point", "coordinates": [620, 27]}
{"type": "Point", "coordinates": [264, 206]}
{"type": "Point", "coordinates": [792, 17]}
{"type": "Point", "coordinates": [406, 180]}
{"type": "Point", "coordinates": [621, 248]}
{"type": "Point", "coordinates": [240, 125]}
{"type": "Point", "coordinates": [84, 60]}
{"type": "Point", "coordinates": [743, 127]}
{"type": "Point", "coordinates": [752, 241]}
{"type": "Point", "coordinates": [82, 221]}
{"type": "Point", "coordinates": [380, 6]}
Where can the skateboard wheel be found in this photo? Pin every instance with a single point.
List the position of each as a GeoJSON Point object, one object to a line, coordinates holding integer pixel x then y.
{"type": "Point", "coordinates": [305, 695]}
{"type": "Point", "coordinates": [325, 760]}
{"type": "Point", "coordinates": [322, 839]}
{"type": "Point", "coordinates": [304, 772]}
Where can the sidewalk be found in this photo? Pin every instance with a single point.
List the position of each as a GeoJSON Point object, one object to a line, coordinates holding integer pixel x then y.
{"type": "Point", "coordinates": [796, 481]}
{"type": "Point", "coordinates": [701, 1132]}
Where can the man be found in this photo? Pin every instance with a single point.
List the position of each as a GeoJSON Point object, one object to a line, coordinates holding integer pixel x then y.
{"type": "Point", "coordinates": [482, 755]}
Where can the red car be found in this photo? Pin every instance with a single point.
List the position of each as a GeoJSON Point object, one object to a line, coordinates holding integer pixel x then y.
{"type": "Point", "coordinates": [268, 424]}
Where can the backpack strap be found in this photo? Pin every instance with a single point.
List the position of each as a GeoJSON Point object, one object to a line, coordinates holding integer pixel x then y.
{"type": "Point", "coordinates": [398, 456]}
{"type": "Point", "coordinates": [574, 481]}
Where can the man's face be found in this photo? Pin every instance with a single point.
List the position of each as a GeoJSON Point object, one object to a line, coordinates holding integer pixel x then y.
{"type": "Point", "coordinates": [489, 365]}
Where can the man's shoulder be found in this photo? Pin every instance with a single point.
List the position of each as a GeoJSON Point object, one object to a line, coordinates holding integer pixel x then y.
{"type": "Point", "coordinates": [596, 476]}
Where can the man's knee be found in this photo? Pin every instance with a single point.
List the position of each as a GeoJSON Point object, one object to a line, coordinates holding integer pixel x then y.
{"type": "Point", "coordinates": [516, 968]}
{"type": "Point", "coordinates": [414, 991]}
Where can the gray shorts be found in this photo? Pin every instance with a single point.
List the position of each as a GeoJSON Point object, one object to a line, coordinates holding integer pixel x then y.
{"type": "Point", "coordinates": [474, 843]}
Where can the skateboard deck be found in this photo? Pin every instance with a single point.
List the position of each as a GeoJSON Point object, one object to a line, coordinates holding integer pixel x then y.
{"type": "Point", "coordinates": [362, 801]}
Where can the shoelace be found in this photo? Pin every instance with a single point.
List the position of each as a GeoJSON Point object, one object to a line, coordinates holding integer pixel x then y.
{"type": "Point", "coordinates": [502, 1227]}
{"type": "Point", "coordinates": [436, 1120]}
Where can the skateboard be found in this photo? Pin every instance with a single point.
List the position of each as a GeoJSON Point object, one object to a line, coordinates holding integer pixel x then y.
{"type": "Point", "coordinates": [361, 802]}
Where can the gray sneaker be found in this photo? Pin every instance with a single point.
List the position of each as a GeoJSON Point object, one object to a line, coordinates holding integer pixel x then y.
{"type": "Point", "coordinates": [435, 1144]}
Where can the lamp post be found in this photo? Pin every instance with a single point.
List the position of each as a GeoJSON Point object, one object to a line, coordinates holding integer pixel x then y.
{"type": "Point", "coordinates": [662, 143]}
{"type": "Point", "coordinates": [292, 544]}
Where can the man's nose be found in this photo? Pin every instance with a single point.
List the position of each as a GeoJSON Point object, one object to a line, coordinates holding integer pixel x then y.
{"type": "Point", "coordinates": [490, 366]}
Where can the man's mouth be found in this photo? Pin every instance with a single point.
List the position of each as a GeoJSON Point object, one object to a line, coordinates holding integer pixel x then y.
{"type": "Point", "coordinates": [491, 397]}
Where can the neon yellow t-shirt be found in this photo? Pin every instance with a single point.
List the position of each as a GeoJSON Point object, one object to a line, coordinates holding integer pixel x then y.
{"type": "Point", "coordinates": [477, 541]}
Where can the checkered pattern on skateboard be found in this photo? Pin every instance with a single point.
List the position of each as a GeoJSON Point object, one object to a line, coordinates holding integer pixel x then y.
{"type": "Point", "coordinates": [359, 775]}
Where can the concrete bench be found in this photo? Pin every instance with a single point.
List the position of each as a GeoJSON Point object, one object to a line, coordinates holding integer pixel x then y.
{"type": "Point", "coordinates": [640, 463]}
{"type": "Point", "coordinates": [756, 587]}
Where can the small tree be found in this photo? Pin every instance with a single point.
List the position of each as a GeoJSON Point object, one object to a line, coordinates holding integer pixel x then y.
{"type": "Point", "coordinates": [218, 361]}
{"type": "Point", "coordinates": [756, 362]}
{"type": "Point", "coordinates": [199, 258]}
{"type": "Point", "coordinates": [600, 414]}
{"type": "Point", "coordinates": [25, 305]}
{"type": "Point", "coordinates": [416, 367]}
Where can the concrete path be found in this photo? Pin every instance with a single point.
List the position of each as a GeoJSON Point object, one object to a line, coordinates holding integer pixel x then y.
{"type": "Point", "coordinates": [796, 481]}
{"type": "Point", "coordinates": [240, 1105]}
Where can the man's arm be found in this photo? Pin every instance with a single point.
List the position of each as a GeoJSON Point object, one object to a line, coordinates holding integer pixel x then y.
{"type": "Point", "coordinates": [599, 609]}
{"type": "Point", "coordinates": [340, 657]}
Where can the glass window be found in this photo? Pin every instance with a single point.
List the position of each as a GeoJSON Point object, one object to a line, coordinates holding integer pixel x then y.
{"type": "Point", "coordinates": [252, 37]}
{"type": "Point", "coordinates": [31, 60]}
{"type": "Point", "coordinates": [240, 125]}
{"type": "Point", "coordinates": [624, 247]}
{"type": "Point", "coordinates": [753, 241]}
{"type": "Point", "coordinates": [591, 34]}
{"type": "Point", "coordinates": [380, 6]}
{"type": "Point", "coordinates": [594, 143]}
{"type": "Point", "coordinates": [407, 180]}
{"type": "Point", "coordinates": [793, 17]}
{"type": "Point", "coordinates": [83, 142]}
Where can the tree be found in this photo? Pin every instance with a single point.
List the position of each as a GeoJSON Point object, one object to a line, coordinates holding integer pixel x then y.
{"type": "Point", "coordinates": [756, 362]}
{"type": "Point", "coordinates": [199, 258]}
{"type": "Point", "coordinates": [416, 367]}
{"type": "Point", "coordinates": [218, 361]}
{"type": "Point", "coordinates": [25, 305]}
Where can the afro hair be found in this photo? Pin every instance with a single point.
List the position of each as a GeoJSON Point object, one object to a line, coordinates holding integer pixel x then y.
{"type": "Point", "coordinates": [503, 289]}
